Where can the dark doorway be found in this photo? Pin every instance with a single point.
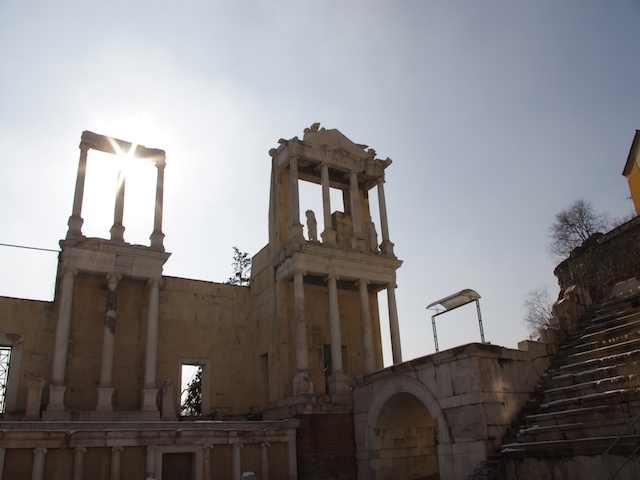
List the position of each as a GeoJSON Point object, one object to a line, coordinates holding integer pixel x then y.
{"type": "Point", "coordinates": [177, 466]}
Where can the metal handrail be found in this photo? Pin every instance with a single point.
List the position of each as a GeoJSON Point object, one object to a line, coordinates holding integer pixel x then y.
{"type": "Point", "coordinates": [613, 444]}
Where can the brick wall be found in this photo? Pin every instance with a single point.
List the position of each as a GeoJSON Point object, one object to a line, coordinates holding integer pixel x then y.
{"type": "Point", "coordinates": [326, 447]}
{"type": "Point", "coordinates": [603, 261]}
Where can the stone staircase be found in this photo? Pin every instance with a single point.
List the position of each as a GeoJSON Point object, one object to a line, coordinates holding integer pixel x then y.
{"type": "Point", "coordinates": [588, 398]}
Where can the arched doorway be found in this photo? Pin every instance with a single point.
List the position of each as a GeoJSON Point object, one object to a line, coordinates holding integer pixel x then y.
{"type": "Point", "coordinates": [405, 438]}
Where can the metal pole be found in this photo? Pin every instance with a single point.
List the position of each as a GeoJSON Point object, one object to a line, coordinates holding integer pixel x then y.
{"type": "Point", "coordinates": [480, 321]}
{"type": "Point", "coordinates": [435, 334]}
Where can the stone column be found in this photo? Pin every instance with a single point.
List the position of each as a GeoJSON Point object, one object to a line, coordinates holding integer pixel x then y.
{"type": "Point", "coordinates": [78, 463]}
{"type": "Point", "coordinates": [301, 381]}
{"type": "Point", "coordinates": [157, 237]}
{"type": "Point", "coordinates": [75, 220]}
{"type": "Point", "coordinates": [37, 472]}
{"type": "Point", "coordinates": [116, 453]}
{"type": "Point", "coordinates": [329, 234]}
{"type": "Point", "coordinates": [206, 461]}
{"type": "Point", "coordinates": [265, 460]}
{"type": "Point", "coordinates": [150, 392]}
{"type": "Point", "coordinates": [292, 459]}
{"type": "Point", "coordinates": [151, 461]}
{"type": "Point", "coordinates": [295, 229]}
{"type": "Point", "coordinates": [105, 388]}
{"type": "Point", "coordinates": [337, 379]}
{"type": "Point", "coordinates": [237, 461]}
{"type": "Point", "coordinates": [2, 453]}
{"type": "Point", "coordinates": [358, 240]}
{"type": "Point", "coordinates": [57, 387]}
{"type": "Point", "coordinates": [386, 246]}
{"type": "Point", "coordinates": [393, 323]}
{"type": "Point", "coordinates": [117, 230]}
{"type": "Point", "coordinates": [367, 333]}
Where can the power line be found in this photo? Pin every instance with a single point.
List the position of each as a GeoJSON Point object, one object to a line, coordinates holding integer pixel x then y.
{"type": "Point", "coordinates": [28, 248]}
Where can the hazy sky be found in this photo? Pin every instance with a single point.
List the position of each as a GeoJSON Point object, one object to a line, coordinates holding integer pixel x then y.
{"type": "Point", "coordinates": [496, 115]}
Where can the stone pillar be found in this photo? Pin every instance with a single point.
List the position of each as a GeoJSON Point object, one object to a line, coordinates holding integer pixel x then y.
{"type": "Point", "coordinates": [150, 392]}
{"type": "Point", "coordinates": [57, 387]}
{"type": "Point", "coordinates": [337, 379]}
{"type": "Point", "coordinates": [292, 459]}
{"type": "Point", "coordinates": [295, 229]}
{"type": "Point", "coordinates": [301, 381]}
{"type": "Point", "coordinates": [151, 461]}
{"type": "Point", "coordinates": [206, 461]}
{"type": "Point", "coordinates": [105, 388]}
{"type": "Point", "coordinates": [157, 237]}
{"type": "Point", "coordinates": [34, 398]}
{"type": "Point", "coordinates": [367, 333]}
{"type": "Point", "coordinates": [2, 453]}
{"type": "Point", "coordinates": [386, 246]}
{"type": "Point", "coordinates": [358, 240]}
{"type": "Point", "coordinates": [116, 453]}
{"type": "Point", "coordinates": [237, 461]}
{"type": "Point", "coordinates": [75, 220]}
{"type": "Point", "coordinates": [117, 230]}
{"type": "Point", "coordinates": [393, 324]}
{"type": "Point", "coordinates": [37, 472]}
{"type": "Point", "coordinates": [78, 463]}
{"type": "Point", "coordinates": [329, 234]}
{"type": "Point", "coordinates": [265, 460]}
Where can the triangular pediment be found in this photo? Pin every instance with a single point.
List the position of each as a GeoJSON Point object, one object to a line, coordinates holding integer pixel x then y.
{"type": "Point", "coordinates": [334, 139]}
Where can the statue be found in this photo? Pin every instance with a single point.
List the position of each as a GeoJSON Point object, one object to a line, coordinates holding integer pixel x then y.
{"type": "Point", "coordinates": [373, 236]}
{"type": "Point", "coordinates": [312, 226]}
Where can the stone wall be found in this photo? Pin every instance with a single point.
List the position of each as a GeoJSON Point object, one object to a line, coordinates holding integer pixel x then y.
{"type": "Point", "coordinates": [603, 261]}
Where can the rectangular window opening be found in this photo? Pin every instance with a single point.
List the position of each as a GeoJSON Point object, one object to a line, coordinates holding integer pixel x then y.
{"type": "Point", "coordinates": [5, 360]}
{"type": "Point", "coordinates": [191, 390]}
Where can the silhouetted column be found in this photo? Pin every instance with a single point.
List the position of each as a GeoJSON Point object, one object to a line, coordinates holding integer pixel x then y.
{"type": "Point", "coordinates": [105, 388]}
{"type": "Point", "coordinates": [329, 234]}
{"type": "Point", "coordinates": [151, 461]}
{"type": "Point", "coordinates": [117, 230]}
{"type": "Point", "coordinates": [75, 220]}
{"type": "Point", "coordinates": [150, 392]}
{"type": "Point", "coordinates": [157, 237]}
{"type": "Point", "coordinates": [358, 241]}
{"type": "Point", "coordinates": [337, 379]}
{"type": "Point", "coordinates": [37, 472]}
{"type": "Point", "coordinates": [301, 381]}
{"type": "Point", "coordinates": [393, 323]}
{"type": "Point", "coordinates": [386, 246]}
{"type": "Point", "coordinates": [78, 463]}
{"type": "Point", "coordinates": [367, 333]}
{"type": "Point", "coordinates": [295, 229]}
{"type": "Point", "coordinates": [116, 456]}
{"type": "Point", "coordinates": [57, 387]}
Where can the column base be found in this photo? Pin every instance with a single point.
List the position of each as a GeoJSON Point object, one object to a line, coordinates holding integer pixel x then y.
{"type": "Point", "coordinates": [387, 248]}
{"type": "Point", "coordinates": [296, 234]}
{"type": "Point", "coordinates": [150, 400]}
{"type": "Point", "coordinates": [157, 240]}
{"type": "Point", "coordinates": [117, 233]}
{"type": "Point", "coordinates": [329, 237]}
{"type": "Point", "coordinates": [338, 383]}
{"type": "Point", "coordinates": [105, 399]}
{"type": "Point", "coordinates": [75, 227]}
{"type": "Point", "coordinates": [56, 398]}
{"type": "Point", "coordinates": [302, 384]}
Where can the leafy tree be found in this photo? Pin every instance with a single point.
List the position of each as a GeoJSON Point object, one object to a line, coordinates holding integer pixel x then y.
{"type": "Point", "coordinates": [192, 404]}
{"type": "Point", "coordinates": [537, 308]}
{"type": "Point", "coordinates": [241, 268]}
{"type": "Point", "coordinates": [573, 226]}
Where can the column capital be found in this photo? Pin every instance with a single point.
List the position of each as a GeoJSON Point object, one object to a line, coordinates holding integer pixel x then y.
{"type": "Point", "coordinates": [80, 449]}
{"type": "Point", "coordinates": [238, 445]}
{"type": "Point", "coordinates": [118, 448]}
{"type": "Point", "coordinates": [113, 279]}
{"type": "Point", "coordinates": [300, 271]}
{"type": "Point", "coordinates": [152, 448]}
{"type": "Point", "coordinates": [40, 450]}
{"type": "Point", "coordinates": [363, 281]}
{"type": "Point", "coordinates": [69, 271]}
{"type": "Point", "coordinates": [265, 444]}
{"type": "Point", "coordinates": [392, 285]}
{"type": "Point", "coordinates": [160, 164]}
{"type": "Point", "coordinates": [154, 282]}
{"type": "Point", "coordinates": [208, 445]}
{"type": "Point", "coordinates": [331, 276]}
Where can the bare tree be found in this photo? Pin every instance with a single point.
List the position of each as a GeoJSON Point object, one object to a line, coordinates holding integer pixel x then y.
{"type": "Point", "coordinates": [537, 310]}
{"type": "Point", "coordinates": [573, 226]}
{"type": "Point", "coordinates": [241, 268]}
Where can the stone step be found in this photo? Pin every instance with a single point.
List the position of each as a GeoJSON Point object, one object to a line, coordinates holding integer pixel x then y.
{"type": "Point", "coordinates": [568, 448]}
{"type": "Point", "coordinates": [598, 413]}
{"type": "Point", "coordinates": [566, 379]}
{"type": "Point", "coordinates": [611, 336]}
{"type": "Point", "coordinates": [598, 321]}
{"type": "Point", "coordinates": [573, 431]}
{"type": "Point", "coordinates": [604, 351]}
{"type": "Point", "coordinates": [630, 356]}
{"type": "Point", "coordinates": [625, 324]}
{"type": "Point", "coordinates": [594, 386]}
{"type": "Point", "coordinates": [610, 397]}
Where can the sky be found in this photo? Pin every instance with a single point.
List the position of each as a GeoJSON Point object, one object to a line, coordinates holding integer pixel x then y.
{"type": "Point", "coordinates": [496, 114]}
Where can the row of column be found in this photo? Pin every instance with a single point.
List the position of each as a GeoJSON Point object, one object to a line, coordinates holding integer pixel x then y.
{"type": "Point", "coordinates": [337, 380]}
{"type": "Point", "coordinates": [117, 230]}
{"type": "Point", "coordinates": [105, 387]}
{"type": "Point", "coordinates": [329, 236]}
{"type": "Point", "coordinates": [39, 457]}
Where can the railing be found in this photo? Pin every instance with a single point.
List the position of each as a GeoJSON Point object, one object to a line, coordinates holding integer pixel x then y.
{"type": "Point", "coordinates": [606, 453]}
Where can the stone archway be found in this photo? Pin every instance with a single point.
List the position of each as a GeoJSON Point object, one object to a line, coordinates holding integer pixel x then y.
{"type": "Point", "coordinates": [405, 432]}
